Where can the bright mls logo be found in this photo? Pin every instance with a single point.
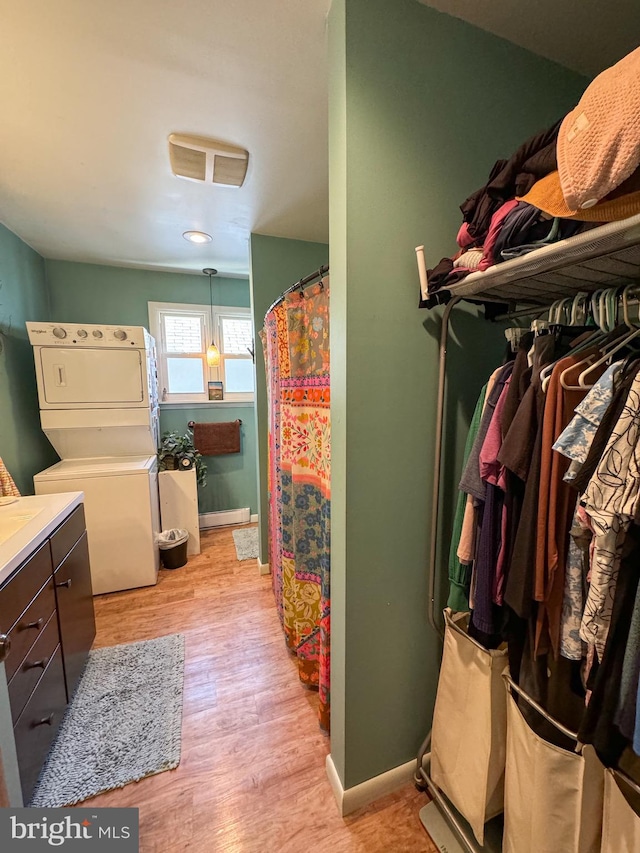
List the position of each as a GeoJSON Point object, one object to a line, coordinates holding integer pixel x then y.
{"type": "Point", "coordinates": [55, 832]}
{"type": "Point", "coordinates": [86, 830]}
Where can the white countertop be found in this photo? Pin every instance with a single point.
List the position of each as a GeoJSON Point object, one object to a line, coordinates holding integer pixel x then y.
{"type": "Point", "coordinates": [26, 523]}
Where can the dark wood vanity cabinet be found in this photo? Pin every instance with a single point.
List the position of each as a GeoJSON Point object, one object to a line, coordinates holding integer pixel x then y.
{"type": "Point", "coordinates": [46, 610]}
{"type": "Point", "coordinates": [74, 599]}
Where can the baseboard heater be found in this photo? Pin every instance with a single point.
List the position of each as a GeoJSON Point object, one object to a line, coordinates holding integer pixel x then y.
{"type": "Point", "coordinates": [221, 519]}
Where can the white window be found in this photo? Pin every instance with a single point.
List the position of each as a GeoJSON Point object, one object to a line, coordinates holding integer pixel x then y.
{"type": "Point", "coordinates": [183, 333]}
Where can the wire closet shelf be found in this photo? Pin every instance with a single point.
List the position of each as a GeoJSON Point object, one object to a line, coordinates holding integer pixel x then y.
{"type": "Point", "coordinates": [604, 257]}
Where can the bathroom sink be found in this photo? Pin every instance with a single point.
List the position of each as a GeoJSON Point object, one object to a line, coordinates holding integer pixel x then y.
{"type": "Point", "coordinates": [14, 517]}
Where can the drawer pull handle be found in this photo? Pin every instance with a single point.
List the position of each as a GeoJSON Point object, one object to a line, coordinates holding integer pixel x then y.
{"type": "Point", "coordinates": [45, 721]}
{"type": "Point", "coordinates": [36, 663]}
{"type": "Point", "coordinates": [37, 624]}
{"type": "Point", "coordinates": [66, 583]}
{"type": "Point", "coordinates": [5, 646]}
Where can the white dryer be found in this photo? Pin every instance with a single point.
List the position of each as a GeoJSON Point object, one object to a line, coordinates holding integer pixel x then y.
{"type": "Point", "coordinates": [97, 387]}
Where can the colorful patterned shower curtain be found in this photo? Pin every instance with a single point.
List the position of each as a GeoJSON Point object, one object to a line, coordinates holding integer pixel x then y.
{"type": "Point", "coordinates": [296, 344]}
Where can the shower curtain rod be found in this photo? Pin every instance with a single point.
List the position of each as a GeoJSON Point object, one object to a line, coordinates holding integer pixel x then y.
{"type": "Point", "coordinates": [303, 281]}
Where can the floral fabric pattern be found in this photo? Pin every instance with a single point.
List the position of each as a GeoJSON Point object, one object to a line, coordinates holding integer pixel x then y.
{"type": "Point", "coordinates": [296, 344]}
{"type": "Point", "coordinates": [611, 500]}
{"type": "Point", "coordinates": [575, 583]}
{"type": "Point", "coordinates": [575, 441]}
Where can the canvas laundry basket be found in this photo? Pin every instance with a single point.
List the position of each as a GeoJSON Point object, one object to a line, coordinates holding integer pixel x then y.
{"type": "Point", "coordinates": [468, 738]}
{"type": "Point", "coordinates": [553, 798]}
{"type": "Point", "coordinates": [621, 824]}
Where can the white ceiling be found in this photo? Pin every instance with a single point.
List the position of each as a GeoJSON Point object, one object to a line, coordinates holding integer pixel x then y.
{"type": "Point", "coordinates": [586, 35]}
{"type": "Point", "coordinates": [90, 91]}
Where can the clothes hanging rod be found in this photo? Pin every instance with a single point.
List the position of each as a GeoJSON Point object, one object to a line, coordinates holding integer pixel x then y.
{"type": "Point", "coordinates": [534, 311]}
{"type": "Point", "coordinates": [299, 284]}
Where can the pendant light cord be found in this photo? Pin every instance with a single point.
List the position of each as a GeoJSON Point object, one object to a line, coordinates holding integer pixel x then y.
{"type": "Point", "coordinates": [210, 272]}
{"type": "Point", "coordinates": [211, 305]}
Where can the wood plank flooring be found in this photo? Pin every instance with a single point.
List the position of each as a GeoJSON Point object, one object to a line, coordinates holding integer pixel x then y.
{"type": "Point", "coordinates": [252, 777]}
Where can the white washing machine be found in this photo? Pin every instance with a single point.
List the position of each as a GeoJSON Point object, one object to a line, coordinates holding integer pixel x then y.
{"type": "Point", "coordinates": [122, 513]}
{"type": "Point", "coordinates": [97, 388]}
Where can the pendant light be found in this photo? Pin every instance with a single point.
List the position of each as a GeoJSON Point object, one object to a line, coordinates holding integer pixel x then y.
{"type": "Point", "coordinates": [213, 353]}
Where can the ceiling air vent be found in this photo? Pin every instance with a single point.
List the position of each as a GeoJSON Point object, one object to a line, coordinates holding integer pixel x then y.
{"type": "Point", "coordinates": [198, 158]}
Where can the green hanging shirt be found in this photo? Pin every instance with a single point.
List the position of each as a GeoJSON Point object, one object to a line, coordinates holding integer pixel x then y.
{"type": "Point", "coordinates": [460, 573]}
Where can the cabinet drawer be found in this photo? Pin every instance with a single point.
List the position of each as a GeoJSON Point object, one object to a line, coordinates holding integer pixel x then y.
{"type": "Point", "coordinates": [30, 670]}
{"type": "Point", "coordinates": [23, 586]}
{"type": "Point", "coordinates": [38, 724]}
{"type": "Point", "coordinates": [74, 598]}
{"type": "Point", "coordinates": [65, 537]}
{"type": "Point", "coordinates": [26, 630]}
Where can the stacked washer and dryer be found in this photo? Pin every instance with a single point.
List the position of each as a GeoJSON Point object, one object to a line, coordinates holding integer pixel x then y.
{"type": "Point", "coordinates": [97, 387]}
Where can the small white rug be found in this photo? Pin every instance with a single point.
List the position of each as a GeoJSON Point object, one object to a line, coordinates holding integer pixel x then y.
{"type": "Point", "coordinates": [124, 723]}
{"type": "Point", "coordinates": [246, 542]}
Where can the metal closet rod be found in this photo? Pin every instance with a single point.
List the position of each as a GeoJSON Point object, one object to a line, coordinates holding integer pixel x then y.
{"type": "Point", "coordinates": [299, 284]}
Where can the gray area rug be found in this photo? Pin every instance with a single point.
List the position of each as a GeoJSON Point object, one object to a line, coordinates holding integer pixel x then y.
{"type": "Point", "coordinates": [125, 723]}
{"type": "Point", "coordinates": [246, 541]}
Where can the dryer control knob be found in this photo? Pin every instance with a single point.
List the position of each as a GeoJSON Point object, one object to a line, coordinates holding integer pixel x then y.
{"type": "Point", "coordinates": [120, 335]}
{"type": "Point", "coordinates": [59, 332]}
{"type": "Point", "coordinates": [82, 333]}
{"type": "Point", "coordinates": [97, 333]}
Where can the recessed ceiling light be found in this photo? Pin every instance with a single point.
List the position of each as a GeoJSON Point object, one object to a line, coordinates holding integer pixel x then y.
{"type": "Point", "coordinates": [197, 237]}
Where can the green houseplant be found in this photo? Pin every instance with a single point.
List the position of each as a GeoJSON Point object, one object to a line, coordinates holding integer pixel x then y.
{"type": "Point", "coordinates": [177, 452]}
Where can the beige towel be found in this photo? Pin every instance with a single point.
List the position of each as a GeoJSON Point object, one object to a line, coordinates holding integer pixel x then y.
{"type": "Point", "coordinates": [217, 439]}
{"type": "Point", "coordinates": [7, 487]}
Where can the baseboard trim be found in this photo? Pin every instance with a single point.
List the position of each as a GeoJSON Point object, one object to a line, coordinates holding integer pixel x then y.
{"type": "Point", "coordinates": [265, 568]}
{"type": "Point", "coordinates": [221, 519]}
{"type": "Point", "coordinates": [254, 518]}
{"type": "Point", "coordinates": [352, 799]}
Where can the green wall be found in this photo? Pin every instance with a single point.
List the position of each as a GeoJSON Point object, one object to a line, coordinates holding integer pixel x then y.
{"type": "Point", "coordinates": [91, 293]}
{"type": "Point", "coordinates": [231, 480]}
{"type": "Point", "coordinates": [276, 263]}
{"type": "Point", "coordinates": [420, 106]}
{"type": "Point", "coordinates": [23, 296]}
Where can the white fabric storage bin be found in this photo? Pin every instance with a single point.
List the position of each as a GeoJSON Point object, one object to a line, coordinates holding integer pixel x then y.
{"type": "Point", "coordinates": [553, 798]}
{"type": "Point", "coordinates": [468, 738]}
{"type": "Point", "coordinates": [621, 824]}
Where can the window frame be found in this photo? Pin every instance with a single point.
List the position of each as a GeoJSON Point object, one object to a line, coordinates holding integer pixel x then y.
{"type": "Point", "coordinates": [156, 327]}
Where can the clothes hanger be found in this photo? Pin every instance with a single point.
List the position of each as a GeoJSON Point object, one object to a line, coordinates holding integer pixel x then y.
{"type": "Point", "coordinates": [554, 312]}
{"type": "Point", "coordinates": [595, 307]}
{"type": "Point", "coordinates": [598, 306]}
{"type": "Point", "coordinates": [630, 288]}
{"type": "Point", "coordinates": [579, 309]}
{"type": "Point", "coordinates": [608, 342]}
{"type": "Point", "coordinates": [632, 335]}
{"type": "Point", "coordinates": [564, 311]}
{"type": "Point", "coordinates": [537, 327]}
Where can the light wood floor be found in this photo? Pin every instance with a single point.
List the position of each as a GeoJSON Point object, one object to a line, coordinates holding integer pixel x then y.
{"type": "Point", "coordinates": [251, 778]}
